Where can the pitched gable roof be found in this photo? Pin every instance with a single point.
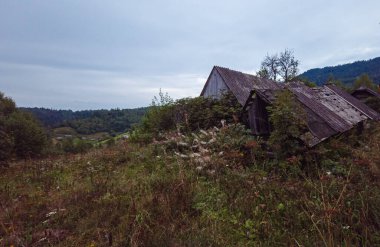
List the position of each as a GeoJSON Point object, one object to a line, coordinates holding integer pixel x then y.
{"type": "Point", "coordinates": [241, 84]}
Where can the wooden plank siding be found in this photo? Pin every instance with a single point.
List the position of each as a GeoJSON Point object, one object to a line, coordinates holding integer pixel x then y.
{"type": "Point", "coordinates": [215, 86]}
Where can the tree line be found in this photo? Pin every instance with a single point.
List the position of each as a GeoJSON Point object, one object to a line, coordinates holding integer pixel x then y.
{"type": "Point", "coordinates": [90, 121]}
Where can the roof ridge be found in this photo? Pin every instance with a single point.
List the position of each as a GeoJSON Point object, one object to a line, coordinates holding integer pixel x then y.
{"type": "Point", "coordinates": [221, 67]}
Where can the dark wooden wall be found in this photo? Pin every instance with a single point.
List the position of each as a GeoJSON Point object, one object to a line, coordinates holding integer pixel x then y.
{"type": "Point", "coordinates": [258, 117]}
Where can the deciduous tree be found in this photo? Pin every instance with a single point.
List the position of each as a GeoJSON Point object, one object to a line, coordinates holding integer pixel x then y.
{"type": "Point", "coordinates": [20, 133]}
{"type": "Point", "coordinates": [288, 121]}
{"type": "Point", "coordinates": [283, 67]}
{"type": "Point", "coordinates": [288, 65]}
{"type": "Point", "coordinates": [366, 81]}
{"type": "Point", "coordinates": [270, 67]}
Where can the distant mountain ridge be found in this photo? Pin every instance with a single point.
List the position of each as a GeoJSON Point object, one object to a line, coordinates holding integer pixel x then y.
{"type": "Point", "coordinates": [347, 73]}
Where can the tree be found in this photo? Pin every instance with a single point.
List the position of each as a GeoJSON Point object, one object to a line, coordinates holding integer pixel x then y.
{"type": "Point", "coordinates": [28, 135]}
{"type": "Point", "coordinates": [288, 121]}
{"type": "Point", "coordinates": [20, 133]}
{"type": "Point", "coordinates": [7, 105]}
{"type": "Point", "coordinates": [288, 65]}
{"type": "Point", "coordinates": [160, 114]}
{"type": "Point", "coordinates": [270, 67]}
{"type": "Point", "coordinates": [283, 67]}
{"type": "Point", "coordinates": [6, 146]}
{"type": "Point", "coordinates": [366, 81]}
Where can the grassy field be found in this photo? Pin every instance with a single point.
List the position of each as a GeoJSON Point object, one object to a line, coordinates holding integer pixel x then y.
{"type": "Point", "coordinates": [167, 194]}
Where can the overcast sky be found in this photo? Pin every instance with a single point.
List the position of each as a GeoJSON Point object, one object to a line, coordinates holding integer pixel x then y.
{"type": "Point", "coordinates": [107, 54]}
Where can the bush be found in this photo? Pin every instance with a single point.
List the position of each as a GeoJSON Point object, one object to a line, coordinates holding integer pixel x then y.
{"type": "Point", "coordinates": [185, 115]}
{"type": "Point", "coordinates": [288, 121]}
{"type": "Point", "coordinates": [21, 134]}
{"type": "Point", "coordinates": [6, 144]}
{"type": "Point", "coordinates": [75, 145]}
{"type": "Point", "coordinates": [28, 135]}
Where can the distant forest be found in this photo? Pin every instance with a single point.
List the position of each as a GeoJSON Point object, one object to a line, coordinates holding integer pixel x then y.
{"type": "Point", "coordinates": [346, 73]}
{"type": "Point", "coordinates": [89, 121]}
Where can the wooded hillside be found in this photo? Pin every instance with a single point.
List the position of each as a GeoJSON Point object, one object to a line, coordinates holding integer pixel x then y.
{"type": "Point", "coordinates": [90, 121]}
{"type": "Point", "coordinates": [347, 73]}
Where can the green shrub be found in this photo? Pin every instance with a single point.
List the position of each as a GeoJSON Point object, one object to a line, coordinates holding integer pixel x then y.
{"type": "Point", "coordinates": [6, 144]}
{"type": "Point", "coordinates": [138, 135]}
{"type": "Point", "coordinates": [28, 135]}
{"type": "Point", "coordinates": [22, 135]}
{"type": "Point", "coordinates": [186, 115]}
{"type": "Point", "coordinates": [288, 121]}
{"type": "Point", "coordinates": [75, 145]}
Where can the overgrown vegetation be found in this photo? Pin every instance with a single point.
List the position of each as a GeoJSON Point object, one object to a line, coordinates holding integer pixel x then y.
{"type": "Point", "coordinates": [164, 195]}
{"type": "Point", "coordinates": [191, 175]}
{"type": "Point", "coordinates": [185, 115]}
{"type": "Point", "coordinates": [288, 120]}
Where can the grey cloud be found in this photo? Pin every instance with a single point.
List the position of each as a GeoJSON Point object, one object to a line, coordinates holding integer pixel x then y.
{"type": "Point", "coordinates": [82, 52]}
{"type": "Point", "coordinates": [38, 86]}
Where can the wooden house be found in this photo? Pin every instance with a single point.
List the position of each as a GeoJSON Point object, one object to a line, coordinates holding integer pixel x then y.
{"type": "Point", "coordinates": [329, 109]}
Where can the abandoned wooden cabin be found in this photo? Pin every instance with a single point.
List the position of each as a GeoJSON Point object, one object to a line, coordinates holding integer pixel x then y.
{"type": "Point", "coordinates": [329, 109]}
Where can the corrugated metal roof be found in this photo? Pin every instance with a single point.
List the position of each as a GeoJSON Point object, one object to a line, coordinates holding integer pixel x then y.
{"type": "Point", "coordinates": [308, 98]}
{"type": "Point", "coordinates": [369, 112]}
{"type": "Point", "coordinates": [339, 105]}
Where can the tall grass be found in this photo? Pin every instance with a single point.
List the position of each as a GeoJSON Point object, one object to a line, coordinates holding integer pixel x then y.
{"type": "Point", "coordinates": [156, 195]}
